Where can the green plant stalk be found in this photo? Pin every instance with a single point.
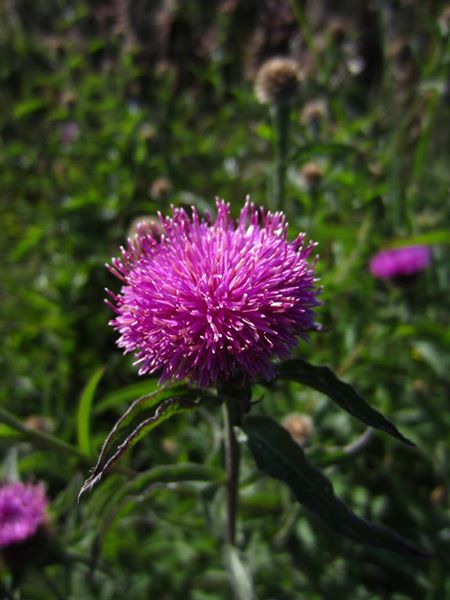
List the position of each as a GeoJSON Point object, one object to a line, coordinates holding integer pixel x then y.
{"type": "Point", "coordinates": [232, 418]}
{"type": "Point", "coordinates": [45, 440]}
{"type": "Point", "coordinates": [41, 438]}
{"type": "Point", "coordinates": [280, 119]}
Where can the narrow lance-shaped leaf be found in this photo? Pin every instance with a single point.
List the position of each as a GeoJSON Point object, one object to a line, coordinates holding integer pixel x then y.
{"type": "Point", "coordinates": [85, 409]}
{"type": "Point", "coordinates": [324, 380]}
{"type": "Point", "coordinates": [118, 441]}
{"type": "Point", "coordinates": [278, 456]}
{"type": "Point", "coordinates": [146, 401]}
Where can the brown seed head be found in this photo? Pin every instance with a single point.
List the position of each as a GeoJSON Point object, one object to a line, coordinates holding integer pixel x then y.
{"type": "Point", "coordinates": [311, 174]}
{"type": "Point", "coordinates": [150, 224]}
{"type": "Point", "coordinates": [299, 426]}
{"type": "Point", "coordinates": [277, 81]}
{"type": "Point", "coordinates": [402, 61]}
{"type": "Point", "coordinates": [313, 112]}
{"type": "Point", "coordinates": [444, 20]}
{"type": "Point", "coordinates": [338, 29]}
{"type": "Point", "coordinates": [160, 189]}
{"type": "Point", "coordinates": [40, 423]}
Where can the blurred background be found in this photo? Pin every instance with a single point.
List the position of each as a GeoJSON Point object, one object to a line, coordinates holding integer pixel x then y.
{"type": "Point", "coordinates": [112, 110]}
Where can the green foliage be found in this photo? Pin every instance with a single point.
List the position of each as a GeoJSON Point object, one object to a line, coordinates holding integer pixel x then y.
{"type": "Point", "coordinates": [324, 380]}
{"type": "Point", "coordinates": [277, 455]}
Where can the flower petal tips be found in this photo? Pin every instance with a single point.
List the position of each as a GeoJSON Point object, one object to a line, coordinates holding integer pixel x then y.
{"type": "Point", "coordinates": [208, 300]}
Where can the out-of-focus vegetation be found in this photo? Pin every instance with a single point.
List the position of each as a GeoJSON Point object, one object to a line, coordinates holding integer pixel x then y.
{"type": "Point", "coordinates": [116, 109]}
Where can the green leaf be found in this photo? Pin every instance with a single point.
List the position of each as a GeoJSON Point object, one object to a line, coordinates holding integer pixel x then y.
{"type": "Point", "coordinates": [278, 456]}
{"type": "Point", "coordinates": [324, 149]}
{"type": "Point", "coordinates": [239, 575]}
{"type": "Point", "coordinates": [324, 380]}
{"type": "Point", "coordinates": [429, 238]}
{"type": "Point", "coordinates": [125, 394]}
{"type": "Point", "coordinates": [8, 432]}
{"type": "Point", "coordinates": [28, 107]}
{"type": "Point", "coordinates": [127, 431]}
{"type": "Point", "coordinates": [176, 473]}
{"type": "Point", "coordinates": [84, 411]}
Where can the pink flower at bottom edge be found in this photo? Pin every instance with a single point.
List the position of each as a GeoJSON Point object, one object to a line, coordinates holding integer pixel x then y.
{"type": "Point", "coordinates": [22, 511]}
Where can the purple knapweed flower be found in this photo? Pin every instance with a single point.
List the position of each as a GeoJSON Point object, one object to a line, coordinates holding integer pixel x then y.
{"type": "Point", "coordinates": [69, 132]}
{"type": "Point", "coordinates": [208, 300]}
{"type": "Point", "coordinates": [22, 512]}
{"type": "Point", "coordinates": [400, 262]}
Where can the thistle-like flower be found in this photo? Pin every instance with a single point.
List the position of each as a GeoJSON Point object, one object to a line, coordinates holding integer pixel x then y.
{"type": "Point", "coordinates": [22, 512]}
{"type": "Point", "coordinates": [400, 262]}
{"type": "Point", "coordinates": [277, 81]}
{"type": "Point", "coordinates": [211, 300]}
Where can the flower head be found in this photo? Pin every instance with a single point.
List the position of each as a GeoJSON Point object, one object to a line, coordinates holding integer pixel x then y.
{"type": "Point", "coordinates": [277, 81]}
{"type": "Point", "coordinates": [400, 262]}
{"type": "Point", "coordinates": [22, 512]}
{"type": "Point", "coordinates": [209, 300]}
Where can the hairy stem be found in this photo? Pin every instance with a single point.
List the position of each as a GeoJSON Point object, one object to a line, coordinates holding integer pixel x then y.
{"type": "Point", "coordinates": [232, 417]}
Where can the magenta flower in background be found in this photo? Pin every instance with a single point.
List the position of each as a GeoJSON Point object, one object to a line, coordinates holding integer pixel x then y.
{"type": "Point", "coordinates": [208, 300]}
{"type": "Point", "coordinates": [22, 511]}
{"type": "Point", "coordinates": [69, 132]}
{"type": "Point", "coordinates": [400, 262]}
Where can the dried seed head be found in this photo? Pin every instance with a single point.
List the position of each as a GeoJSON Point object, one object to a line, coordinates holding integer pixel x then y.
{"type": "Point", "coordinates": [160, 189]}
{"type": "Point", "coordinates": [40, 423]}
{"type": "Point", "coordinates": [313, 111]}
{"type": "Point", "coordinates": [300, 427]}
{"type": "Point", "coordinates": [277, 81]}
{"type": "Point", "coordinates": [444, 20]}
{"type": "Point", "coordinates": [143, 224]}
{"type": "Point", "coordinates": [402, 62]}
{"type": "Point", "coordinates": [311, 174]}
{"type": "Point", "coordinates": [338, 29]}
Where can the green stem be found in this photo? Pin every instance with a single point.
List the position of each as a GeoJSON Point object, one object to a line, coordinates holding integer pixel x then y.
{"type": "Point", "coordinates": [232, 418]}
{"type": "Point", "coordinates": [41, 438]}
{"type": "Point", "coordinates": [280, 117]}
